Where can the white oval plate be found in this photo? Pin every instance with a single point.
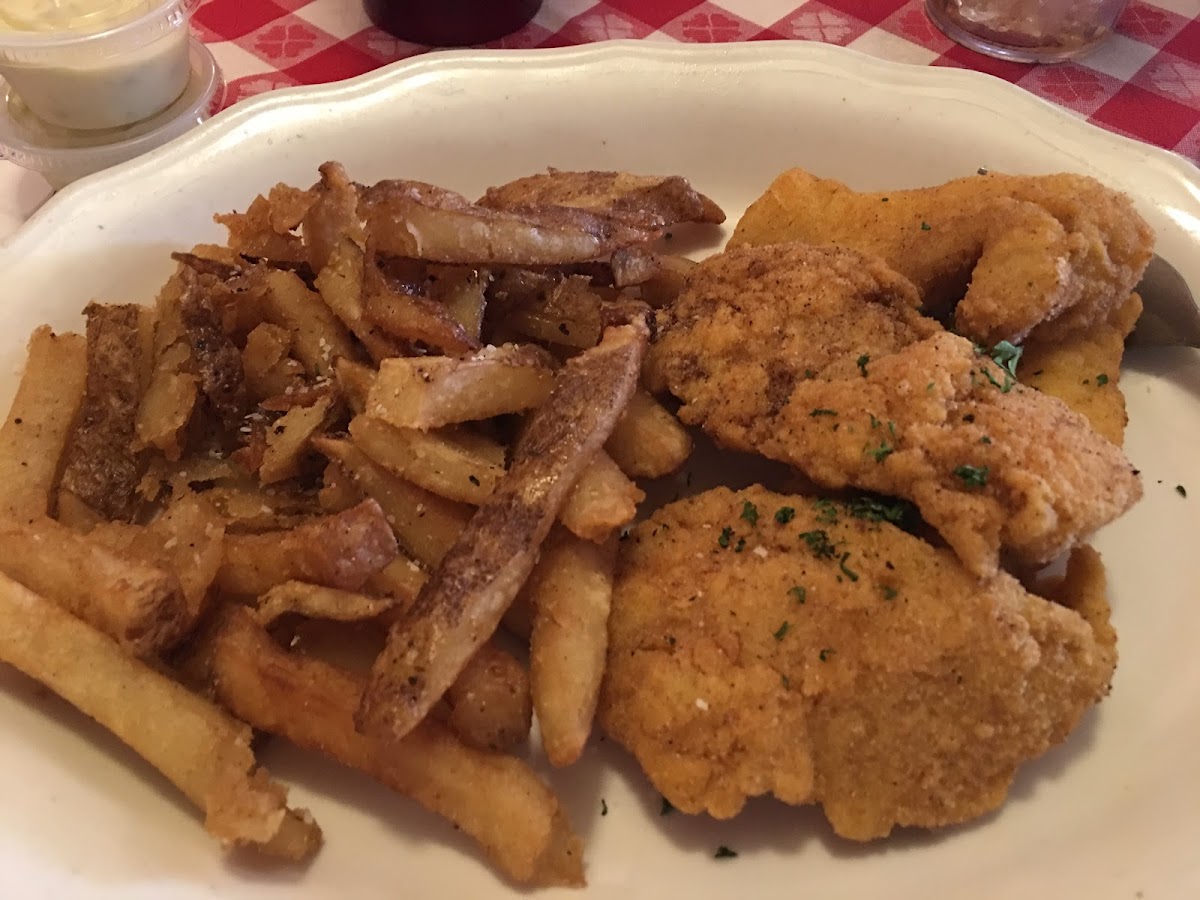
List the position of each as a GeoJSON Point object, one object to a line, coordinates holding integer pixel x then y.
{"type": "Point", "coordinates": [1113, 813]}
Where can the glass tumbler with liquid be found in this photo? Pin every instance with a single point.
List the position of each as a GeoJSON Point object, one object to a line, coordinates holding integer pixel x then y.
{"type": "Point", "coordinates": [1034, 31]}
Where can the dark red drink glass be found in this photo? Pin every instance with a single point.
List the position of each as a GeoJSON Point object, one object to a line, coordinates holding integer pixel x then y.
{"type": "Point", "coordinates": [450, 23]}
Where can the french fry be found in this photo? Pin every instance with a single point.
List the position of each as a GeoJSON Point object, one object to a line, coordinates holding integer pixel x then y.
{"type": "Point", "coordinates": [194, 744]}
{"type": "Point", "coordinates": [312, 601]}
{"type": "Point", "coordinates": [355, 380]}
{"type": "Point", "coordinates": [462, 290]}
{"type": "Point", "coordinates": [571, 592]}
{"type": "Point", "coordinates": [412, 318]}
{"type": "Point", "coordinates": [332, 216]}
{"type": "Point", "coordinates": [463, 601]}
{"type": "Point", "coordinates": [648, 441]}
{"type": "Point", "coordinates": [172, 392]}
{"type": "Point", "coordinates": [489, 706]}
{"type": "Point", "coordinates": [495, 799]}
{"type": "Point", "coordinates": [269, 370]}
{"type": "Point", "coordinates": [101, 466]}
{"type": "Point", "coordinates": [256, 232]}
{"type": "Point", "coordinates": [435, 461]}
{"type": "Point", "coordinates": [400, 580]}
{"type": "Point", "coordinates": [340, 551]}
{"type": "Point", "coordinates": [288, 439]}
{"type": "Point", "coordinates": [138, 605]}
{"type": "Point", "coordinates": [251, 508]}
{"type": "Point", "coordinates": [340, 283]}
{"type": "Point", "coordinates": [34, 436]}
{"type": "Point", "coordinates": [429, 392]}
{"type": "Point", "coordinates": [567, 314]}
{"type": "Point", "coordinates": [338, 491]}
{"type": "Point", "coordinates": [602, 500]}
{"type": "Point", "coordinates": [425, 524]}
{"type": "Point", "coordinates": [319, 338]}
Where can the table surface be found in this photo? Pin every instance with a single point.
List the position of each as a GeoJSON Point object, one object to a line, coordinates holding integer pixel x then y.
{"type": "Point", "coordinates": [1144, 82]}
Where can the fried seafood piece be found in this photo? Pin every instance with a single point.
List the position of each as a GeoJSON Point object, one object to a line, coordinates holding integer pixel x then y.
{"type": "Point", "coordinates": [1049, 254]}
{"type": "Point", "coordinates": [762, 643]}
{"type": "Point", "coordinates": [1084, 369]}
{"type": "Point", "coordinates": [817, 357]}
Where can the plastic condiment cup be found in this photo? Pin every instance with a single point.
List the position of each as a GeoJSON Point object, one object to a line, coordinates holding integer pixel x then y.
{"type": "Point", "coordinates": [95, 64]}
{"type": "Point", "coordinates": [62, 155]}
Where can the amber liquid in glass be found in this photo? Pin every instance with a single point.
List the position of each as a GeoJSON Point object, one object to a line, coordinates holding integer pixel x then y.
{"type": "Point", "coordinates": [450, 23]}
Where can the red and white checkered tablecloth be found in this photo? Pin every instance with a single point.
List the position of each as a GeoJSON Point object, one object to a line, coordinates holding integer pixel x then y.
{"type": "Point", "coordinates": [1145, 82]}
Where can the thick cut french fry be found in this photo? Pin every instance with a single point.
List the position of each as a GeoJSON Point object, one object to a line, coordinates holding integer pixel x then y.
{"type": "Point", "coordinates": [340, 283]}
{"type": "Point", "coordinates": [355, 380]}
{"type": "Point", "coordinates": [170, 397]}
{"type": "Point", "coordinates": [319, 338]}
{"type": "Point", "coordinates": [412, 318]}
{"type": "Point", "coordinates": [332, 216]}
{"type": "Point", "coordinates": [138, 605]}
{"type": "Point", "coordinates": [648, 441]}
{"type": "Point", "coordinates": [400, 580]}
{"type": "Point", "coordinates": [571, 591]}
{"type": "Point", "coordinates": [312, 601]}
{"type": "Point", "coordinates": [602, 500]}
{"type": "Point", "coordinates": [435, 461]}
{"type": "Point", "coordinates": [34, 436]}
{"type": "Point", "coordinates": [496, 799]}
{"type": "Point", "coordinates": [489, 706]}
{"type": "Point", "coordinates": [425, 524]}
{"type": "Point", "coordinates": [101, 466]}
{"type": "Point", "coordinates": [567, 314]}
{"type": "Point", "coordinates": [462, 290]}
{"type": "Point", "coordinates": [338, 491]}
{"type": "Point", "coordinates": [429, 392]}
{"type": "Point", "coordinates": [340, 551]}
{"type": "Point", "coordinates": [197, 746]}
{"type": "Point", "coordinates": [463, 601]}
{"type": "Point", "coordinates": [288, 440]}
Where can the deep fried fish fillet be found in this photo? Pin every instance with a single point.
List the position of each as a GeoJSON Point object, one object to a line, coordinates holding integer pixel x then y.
{"type": "Point", "coordinates": [817, 357]}
{"type": "Point", "coordinates": [770, 644]}
{"type": "Point", "coordinates": [1084, 369]}
{"type": "Point", "coordinates": [1062, 250]}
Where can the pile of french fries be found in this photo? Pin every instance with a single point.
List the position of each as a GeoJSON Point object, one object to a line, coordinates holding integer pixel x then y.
{"type": "Point", "coordinates": [383, 411]}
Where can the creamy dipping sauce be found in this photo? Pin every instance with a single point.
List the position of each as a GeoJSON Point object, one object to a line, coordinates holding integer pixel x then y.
{"type": "Point", "coordinates": [86, 84]}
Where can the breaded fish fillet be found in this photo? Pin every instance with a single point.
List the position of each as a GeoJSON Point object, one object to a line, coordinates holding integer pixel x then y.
{"type": "Point", "coordinates": [762, 643]}
{"type": "Point", "coordinates": [817, 357]}
{"type": "Point", "coordinates": [1063, 250]}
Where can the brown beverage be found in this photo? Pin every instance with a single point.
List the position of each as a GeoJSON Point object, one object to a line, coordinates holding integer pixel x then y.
{"type": "Point", "coordinates": [450, 23]}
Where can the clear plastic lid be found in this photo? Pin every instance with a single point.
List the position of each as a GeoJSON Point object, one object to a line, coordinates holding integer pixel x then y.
{"type": "Point", "coordinates": [62, 155]}
{"type": "Point", "coordinates": [105, 32]}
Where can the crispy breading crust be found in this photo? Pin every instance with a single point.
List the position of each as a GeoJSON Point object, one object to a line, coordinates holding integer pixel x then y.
{"type": "Point", "coordinates": [833, 659]}
{"type": "Point", "coordinates": [817, 357]}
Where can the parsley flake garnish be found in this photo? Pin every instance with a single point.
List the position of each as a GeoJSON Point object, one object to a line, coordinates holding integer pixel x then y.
{"type": "Point", "coordinates": [826, 511]}
{"type": "Point", "coordinates": [726, 534]}
{"type": "Point", "coordinates": [741, 545]}
{"type": "Point", "coordinates": [875, 509]}
{"type": "Point", "coordinates": [785, 514]}
{"type": "Point", "coordinates": [819, 544]}
{"type": "Point", "coordinates": [874, 421]}
{"type": "Point", "coordinates": [781, 631]}
{"type": "Point", "coordinates": [1003, 388]}
{"type": "Point", "coordinates": [1101, 380]}
{"type": "Point", "coordinates": [785, 681]}
{"type": "Point", "coordinates": [823, 412]}
{"type": "Point", "coordinates": [825, 653]}
{"type": "Point", "coordinates": [861, 362]}
{"type": "Point", "coordinates": [800, 593]}
{"type": "Point", "coordinates": [724, 852]}
{"type": "Point", "coordinates": [925, 226]}
{"type": "Point", "coordinates": [882, 452]}
{"type": "Point", "coordinates": [889, 593]}
{"type": "Point", "coordinates": [848, 572]}
{"type": "Point", "coordinates": [1006, 355]}
{"type": "Point", "coordinates": [973, 476]}
{"type": "Point", "coordinates": [985, 440]}
{"type": "Point", "coordinates": [750, 512]}
{"type": "Point", "coordinates": [1181, 490]}
{"type": "Point", "coordinates": [666, 809]}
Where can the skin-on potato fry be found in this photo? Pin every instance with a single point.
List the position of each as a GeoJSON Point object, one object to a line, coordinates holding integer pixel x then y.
{"type": "Point", "coordinates": [414, 319]}
{"type": "Point", "coordinates": [332, 216]}
{"type": "Point", "coordinates": [571, 592]}
{"type": "Point", "coordinates": [34, 436]}
{"type": "Point", "coordinates": [340, 551]}
{"type": "Point", "coordinates": [288, 439]}
{"type": "Point", "coordinates": [648, 441]}
{"type": "Point", "coordinates": [101, 467]}
{"type": "Point", "coordinates": [312, 601]}
{"type": "Point", "coordinates": [432, 391]}
{"type": "Point", "coordinates": [659, 278]}
{"type": "Point", "coordinates": [257, 233]}
{"type": "Point", "coordinates": [435, 461]}
{"type": "Point", "coordinates": [489, 706]}
{"type": "Point", "coordinates": [340, 284]}
{"type": "Point", "coordinates": [425, 524]}
{"type": "Point", "coordinates": [319, 338]}
{"type": "Point", "coordinates": [645, 201]}
{"type": "Point", "coordinates": [266, 366]}
{"type": "Point", "coordinates": [171, 394]}
{"type": "Point", "coordinates": [462, 291]}
{"type": "Point", "coordinates": [602, 500]}
{"type": "Point", "coordinates": [495, 799]}
{"type": "Point", "coordinates": [197, 746]}
{"type": "Point", "coordinates": [463, 601]}
{"type": "Point", "coordinates": [138, 605]}
{"type": "Point", "coordinates": [187, 540]}
{"type": "Point", "coordinates": [566, 313]}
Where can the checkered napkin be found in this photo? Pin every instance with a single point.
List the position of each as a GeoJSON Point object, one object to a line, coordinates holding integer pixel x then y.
{"type": "Point", "coordinates": [1144, 83]}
